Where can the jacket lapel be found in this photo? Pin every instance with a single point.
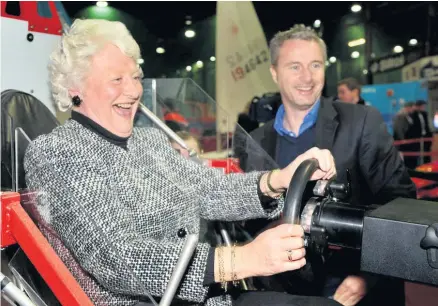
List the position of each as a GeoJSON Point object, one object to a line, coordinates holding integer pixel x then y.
{"type": "Point", "coordinates": [269, 140]}
{"type": "Point", "coordinates": [326, 125]}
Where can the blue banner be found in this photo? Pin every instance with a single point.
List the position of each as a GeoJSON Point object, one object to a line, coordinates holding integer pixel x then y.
{"type": "Point", "coordinates": [389, 98]}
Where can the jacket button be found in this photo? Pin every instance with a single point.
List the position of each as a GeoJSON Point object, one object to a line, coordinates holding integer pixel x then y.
{"type": "Point", "coordinates": [182, 233]}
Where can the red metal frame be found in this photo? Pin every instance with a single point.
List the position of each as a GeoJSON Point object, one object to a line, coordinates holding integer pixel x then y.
{"type": "Point", "coordinates": [18, 227]}
{"type": "Point", "coordinates": [36, 23]}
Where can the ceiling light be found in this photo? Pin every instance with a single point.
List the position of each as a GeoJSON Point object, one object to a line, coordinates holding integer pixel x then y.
{"type": "Point", "coordinates": [355, 8]}
{"type": "Point", "coordinates": [327, 63]}
{"type": "Point", "coordinates": [188, 22]}
{"type": "Point", "coordinates": [398, 49]}
{"type": "Point", "coordinates": [140, 61]}
{"type": "Point", "coordinates": [160, 50]}
{"type": "Point", "coordinates": [199, 64]}
{"type": "Point", "coordinates": [190, 33]}
{"type": "Point", "coordinates": [332, 59]}
{"type": "Point", "coordinates": [357, 42]}
{"type": "Point", "coordinates": [212, 58]}
{"type": "Point", "coordinates": [189, 68]}
{"type": "Point", "coordinates": [317, 23]}
{"type": "Point", "coordinates": [365, 71]}
{"type": "Point", "coordinates": [413, 42]}
{"type": "Point", "coordinates": [355, 54]}
{"type": "Point", "coordinates": [102, 3]}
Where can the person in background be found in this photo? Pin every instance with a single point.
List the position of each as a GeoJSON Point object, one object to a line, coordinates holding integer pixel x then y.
{"type": "Point", "coordinates": [349, 91]}
{"type": "Point", "coordinates": [190, 140]}
{"type": "Point", "coordinates": [403, 120]}
{"type": "Point", "coordinates": [245, 121]}
{"type": "Point", "coordinates": [173, 117]}
{"type": "Point", "coordinates": [421, 127]}
{"type": "Point", "coordinates": [403, 130]}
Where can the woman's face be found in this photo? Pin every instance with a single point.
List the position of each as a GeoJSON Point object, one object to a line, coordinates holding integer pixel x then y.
{"type": "Point", "coordinates": [112, 91]}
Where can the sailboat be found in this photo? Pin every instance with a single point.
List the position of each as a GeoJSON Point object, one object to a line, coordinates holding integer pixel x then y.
{"type": "Point", "coordinates": [242, 61]}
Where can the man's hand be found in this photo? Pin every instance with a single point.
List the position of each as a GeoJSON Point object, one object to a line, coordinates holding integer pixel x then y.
{"type": "Point", "coordinates": [351, 291]}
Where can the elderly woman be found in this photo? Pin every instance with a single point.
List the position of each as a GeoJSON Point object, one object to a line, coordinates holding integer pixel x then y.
{"type": "Point", "coordinates": [122, 200]}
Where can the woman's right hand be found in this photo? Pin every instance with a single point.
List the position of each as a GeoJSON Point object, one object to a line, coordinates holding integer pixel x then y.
{"type": "Point", "coordinates": [274, 251]}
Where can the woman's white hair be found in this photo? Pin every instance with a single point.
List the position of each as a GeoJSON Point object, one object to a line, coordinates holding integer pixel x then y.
{"type": "Point", "coordinates": [70, 61]}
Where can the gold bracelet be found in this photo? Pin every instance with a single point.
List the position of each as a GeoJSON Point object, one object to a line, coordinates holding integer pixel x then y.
{"type": "Point", "coordinates": [233, 271]}
{"type": "Point", "coordinates": [221, 268]}
{"type": "Point", "coordinates": [268, 181]}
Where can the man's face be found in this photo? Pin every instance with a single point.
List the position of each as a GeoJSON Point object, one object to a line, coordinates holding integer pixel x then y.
{"type": "Point", "coordinates": [409, 109]}
{"type": "Point", "coordinates": [299, 73]}
{"type": "Point", "coordinates": [347, 95]}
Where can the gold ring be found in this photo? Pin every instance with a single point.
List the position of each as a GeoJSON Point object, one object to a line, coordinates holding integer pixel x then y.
{"type": "Point", "coordinates": [289, 255]}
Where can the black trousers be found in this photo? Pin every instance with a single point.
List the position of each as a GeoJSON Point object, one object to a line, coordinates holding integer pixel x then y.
{"type": "Point", "coordinates": [264, 298]}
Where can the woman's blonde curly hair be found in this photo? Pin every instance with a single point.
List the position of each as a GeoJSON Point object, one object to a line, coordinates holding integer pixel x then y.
{"type": "Point", "coordinates": [70, 61]}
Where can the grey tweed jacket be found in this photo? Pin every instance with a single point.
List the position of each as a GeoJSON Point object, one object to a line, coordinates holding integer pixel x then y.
{"type": "Point", "coordinates": [118, 211]}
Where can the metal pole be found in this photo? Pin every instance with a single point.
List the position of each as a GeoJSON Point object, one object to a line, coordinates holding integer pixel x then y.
{"type": "Point", "coordinates": [180, 269]}
{"type": "Point", "coordinates": [13, 293]}
{"type": "Point", "coordinates": [369, 42]}
{"type": "Point", "coordinates": [165, 128]}
{"type": "Point", "coordinates": [430, 14]}
{"type": "Point", "coordinates": [154, 96]}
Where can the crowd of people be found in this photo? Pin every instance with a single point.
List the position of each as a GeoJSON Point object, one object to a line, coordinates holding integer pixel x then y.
{"type": "Point", "coordinates": [412, 122]}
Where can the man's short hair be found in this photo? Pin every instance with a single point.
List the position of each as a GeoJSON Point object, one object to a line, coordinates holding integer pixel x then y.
{"type": "Point", "coordinates": [351, 84]}
{"type": "Point", "coordinates": [297, 32]}
{"type": "Point", "coordinates": [420, 102]}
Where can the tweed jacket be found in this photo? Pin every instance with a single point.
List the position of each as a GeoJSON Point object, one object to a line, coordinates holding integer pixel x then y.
{"type": "Point", "coordinates": [118, 211]}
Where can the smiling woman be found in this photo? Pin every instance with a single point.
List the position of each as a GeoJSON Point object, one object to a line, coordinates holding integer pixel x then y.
{"type": "Point", "coordinates": [99, 78]}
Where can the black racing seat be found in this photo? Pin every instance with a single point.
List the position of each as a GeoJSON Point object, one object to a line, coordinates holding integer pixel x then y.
{"type": "Point", "coordinates": [24, 111]}
{"type": "Point", "coordinates": [20, 110]}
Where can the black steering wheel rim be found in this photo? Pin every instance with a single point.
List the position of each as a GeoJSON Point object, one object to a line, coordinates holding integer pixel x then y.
{"type": "Point", "coordinates": [294, 195]}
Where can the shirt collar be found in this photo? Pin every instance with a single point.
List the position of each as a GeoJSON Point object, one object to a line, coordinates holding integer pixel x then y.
{"type": "Point", "coordinates": [308, 122]}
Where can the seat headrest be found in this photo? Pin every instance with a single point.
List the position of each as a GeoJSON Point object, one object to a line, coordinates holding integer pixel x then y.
{"type": "Point", "coordinates": [20, 109]}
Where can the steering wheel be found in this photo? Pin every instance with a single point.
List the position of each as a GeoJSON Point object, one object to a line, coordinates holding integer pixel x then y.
{"type": "Point", "coordinates": [294, 195]}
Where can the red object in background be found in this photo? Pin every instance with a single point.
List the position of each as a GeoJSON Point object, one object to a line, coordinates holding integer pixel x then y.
{"type": "Point", "coordinates": [230, 165]}
{"type": "Point", "coordinates": [36, 23]}
{"type": "Point", "coordinates": [18, 227]}
{"type": "Point", "coordinates": [425, 188]}
{"type": "Point", "coordinates": [390, 92]}
{"type": "Point", "coordinates": [175, 117]}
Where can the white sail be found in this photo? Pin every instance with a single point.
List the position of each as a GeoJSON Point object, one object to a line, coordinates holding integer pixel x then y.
{"type": "Point", "coordinates": [242, 61]}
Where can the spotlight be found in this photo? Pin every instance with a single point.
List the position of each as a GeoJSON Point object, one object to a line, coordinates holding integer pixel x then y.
{"type": "Point", "coordinates": [398, 49]}
{"type": "Point", "coordinates": [102, 3]}
{"type": "Point", "coordinates": [356, 8]}
{"type": "Point", "coordinates": [413, 42]}
{"type": "Point", "coordinates": [190, 33]}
